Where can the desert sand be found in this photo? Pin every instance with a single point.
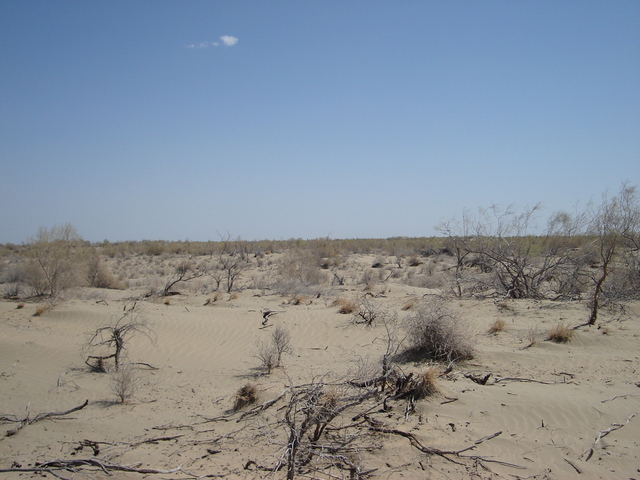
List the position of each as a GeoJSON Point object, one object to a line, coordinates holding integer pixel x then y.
{"type": "Point", "coordinates": [547, 410]}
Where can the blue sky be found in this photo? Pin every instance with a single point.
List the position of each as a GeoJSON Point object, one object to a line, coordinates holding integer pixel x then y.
{"type": "Point", "coordinates": [287, 119]}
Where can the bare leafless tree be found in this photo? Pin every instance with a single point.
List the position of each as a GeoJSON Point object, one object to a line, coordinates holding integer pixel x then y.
{"type": "Point", "coordinates": [504, 242]}
{"type": "Point", "coordinates": [185, 271]}
{"type": "Point", "coordinates": [457, 234]}
{"type": "Point", "coordinates": [616, 225]}
{"type": "Point", "coordinates": [113, 338]}
{"type": "Point", "coordinates": [233, 259]}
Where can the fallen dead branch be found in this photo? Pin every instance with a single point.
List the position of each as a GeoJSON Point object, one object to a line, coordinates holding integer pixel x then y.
{"type": "Point", "coordinates": [154, 441]}
{"type": "Point", "coordinates": [311, 441]}
{"type": "Point", "coordinates": [614, 426]}
{"type": "Point", "coordinates": [531, 380]}
{"type": "Point", "coordinates": [446, 454]}
{"type": "Point", "coordinates": [573, 465]}
{"type": "Point", "coordinates": [23, 422]}
{"type": "Point", "coordinates": [618, 396]}
{"type": "Point", "coordinates": [76, 465]}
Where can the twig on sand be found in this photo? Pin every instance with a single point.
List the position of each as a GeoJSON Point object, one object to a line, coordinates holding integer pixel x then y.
{"type": "Point", "coordinates": [23, 422]}
{"type": "Point", "coordinates": [614, 426]}
{"type": "Point", "coordinates": [520, 379]}
{"type": "Point", "coordinates": [446, 454]}
{"type": "Point", "coordinates": [75, 465]}
{"type": "Point", "coordinates": [573, 465]}
{"type": "Point", "coordinates": [618, 396]}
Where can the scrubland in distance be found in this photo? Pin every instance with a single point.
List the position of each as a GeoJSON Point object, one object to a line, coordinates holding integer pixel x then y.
{"type": "Point", "coordinates": [589, 255]}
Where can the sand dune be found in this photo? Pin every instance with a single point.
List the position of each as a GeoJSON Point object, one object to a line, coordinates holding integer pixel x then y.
{"type": "Point", "coordinates": [549, 401]}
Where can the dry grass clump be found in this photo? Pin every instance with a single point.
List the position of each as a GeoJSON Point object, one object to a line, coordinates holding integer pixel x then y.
{"type": "Point", "coordinates": [214, 299]}
{"type": "Point", "coordinates": [20, 305]}
{"type": "Point", "coordinates": [560, 333]}
{"type": "Point", "coordinates": [497, 326]}
{"type": "Point", "coordinates": [298, 299]}
{"type": "Point", "coordinates": [426, 383]}
{"type": "Point", "coordinates": [438, 332]}
{"type": "Point", "coordinates": [42, 309]}
{"type": "Point", "coordinates": [505, 305]}
{"type": "Point", "coordinates": [330, 397]}
{"type": "Point", "coordinates": [409, 304]}
{"type": "Point", "coordinates": [345, 305]}
{"type": "Point", "coordinates": [246, 395]}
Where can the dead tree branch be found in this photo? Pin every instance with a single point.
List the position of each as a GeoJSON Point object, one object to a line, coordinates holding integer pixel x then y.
{"type": "Point", "coordinates": [23, 422]}
{"type": "Point", "coordinates": [76, 465]}
{"type": "Point", "coordinates": [614, 426]}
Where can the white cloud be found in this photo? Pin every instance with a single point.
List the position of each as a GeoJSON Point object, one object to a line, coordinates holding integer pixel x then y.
{"type": "Point", "coordinates": [199, 45]}
{"type": "Point", "coordinates": [228, 40]}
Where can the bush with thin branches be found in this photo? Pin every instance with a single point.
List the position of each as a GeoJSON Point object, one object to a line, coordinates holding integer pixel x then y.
{"type": "Point", "coordinates": [125, 381]}
{"type": "Point", "coordinates": [438, 332]}
{"type": "Point", "coordinates": [270, 353]}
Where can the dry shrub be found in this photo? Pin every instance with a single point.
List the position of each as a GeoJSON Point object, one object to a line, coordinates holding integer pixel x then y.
{"type": "Point", "coordinates": [345, 305]}
{"type": "Point", "coordinates": [125, 381]}
{"type": "Point", "coordinates": [530, 336]}
{"type": "Point", "coordinates": [438, 332]}
{"type": "Point", "coordinates": [370, 312]}
{"type": "Point", "coordinates": [270, 353]}
{"type": "Point", "coordinates": [167, 301]}
{"type": "Point", "coordinates": [99, 275]}
{"type": "Point", "coordinates": [267, 356]}
{"type": "Point", "coordinates": [560, 333]}
{"type": "Point", "coordinates": [246, 395]}
{"type": "Point", "coordinates": [20, 305]}
{"type": "Point", "coordinates": [233, 296]}
{"type": "Point", "coordinates": [299, 270]}
{"type": "Point", "coordinates": [497, 326]}
{"type": "Point", "coordinates": [281, 343]}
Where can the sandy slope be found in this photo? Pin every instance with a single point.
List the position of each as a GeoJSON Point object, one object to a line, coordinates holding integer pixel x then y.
{"type": "Point", "coordinates": [548, 400]}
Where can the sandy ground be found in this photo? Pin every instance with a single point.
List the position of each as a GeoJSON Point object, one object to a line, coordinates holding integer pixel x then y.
{"type": "Point", "coordinates": [549, 401]}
